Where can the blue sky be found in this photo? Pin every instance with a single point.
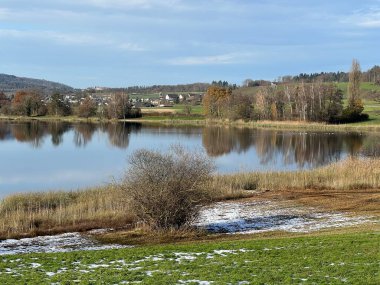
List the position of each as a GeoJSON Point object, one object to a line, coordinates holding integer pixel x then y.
{"type": "Point", "coordinates": [143, 42]}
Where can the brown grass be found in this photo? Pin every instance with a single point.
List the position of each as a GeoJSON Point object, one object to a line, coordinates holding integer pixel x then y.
{"type": "Point", "coordinates": [363, 202]}
{"type": "Point", "coordinates": [158, 110]}
{"type": "Point", "coordinates": [53, 212]}
{"type": "Point", "coordinates": [144, 235]}
{"type": "Point", "coordinates": [350, 174]}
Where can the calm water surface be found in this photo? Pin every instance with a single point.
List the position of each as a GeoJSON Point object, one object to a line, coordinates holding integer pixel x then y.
{"type": "Point", "coordinates": [39, 156]}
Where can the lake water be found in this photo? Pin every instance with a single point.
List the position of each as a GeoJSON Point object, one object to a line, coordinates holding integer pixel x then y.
{"type": "Point", "coordinates": [40, 156]}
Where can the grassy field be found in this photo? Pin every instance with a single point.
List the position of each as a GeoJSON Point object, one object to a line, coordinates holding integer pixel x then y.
{"type": "Point", "coordinates": [177, 108]}
{"type": "Point", "coordinates": [145, 96]}
{"type": "Point", "coordinates": [350, 258]}
{"type": "Point", "coordinates": [365, 87]}
{"type": "Point", "coordinates": [372, 108]}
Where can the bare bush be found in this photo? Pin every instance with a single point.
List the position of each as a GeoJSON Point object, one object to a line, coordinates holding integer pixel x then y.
{"type": "Point", "coordinates": [167, 190]}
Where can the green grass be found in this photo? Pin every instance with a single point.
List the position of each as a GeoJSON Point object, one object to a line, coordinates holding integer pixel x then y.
{"type": "Point", "coordinates": [145, 96]}
{"type": "Point", "coordinates": [364, 86]}
{"type": "Point", "coordinates": [179, 108]}
{"type": "Point", "coordinates": [176, 118]}
{"type": "Point", "coordinates": [350, 258]}
{"type": "Point", "coordinates": [197, 109]}
{"type": "Point", "coordinates": [372, 108]}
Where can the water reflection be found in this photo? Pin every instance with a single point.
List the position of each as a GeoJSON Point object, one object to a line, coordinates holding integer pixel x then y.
{"type": "Point", "coordinates": [35, 132]}
{"type": "Point", "coordinates": [32, 132]}
{"type": "Point", "coordinates": [303, 148]}
{"type": "Point", "coordinates": [71, 156]}
{"type": "Point", "coordinates": [371, 147]}
{"type": "Point", "coordinates": [83, 134]}
{"type": "Point", "coordinates": [57, 130]}
{"type": "Point", "coordinates": [119, 133]}
{"type": "Point", "coordinates": [309, 149]}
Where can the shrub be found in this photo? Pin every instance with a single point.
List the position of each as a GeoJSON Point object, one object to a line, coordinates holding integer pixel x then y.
{"type": "Point", "coordinates": [167, 190]}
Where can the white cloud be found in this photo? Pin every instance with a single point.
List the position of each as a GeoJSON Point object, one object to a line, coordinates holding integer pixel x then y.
{"type": "Point", "coordinates": [70, 39]}
{"type": "Point", "coordinates": [5, 13]}
{"type": "Point", "coordinates": [130, 47]}
{"type": "Point", "coordinates": [228, 58]}
{"type": "Point", "coordinates": [365, 18]}
{"type": "Point", "coordinates": [130, 4]}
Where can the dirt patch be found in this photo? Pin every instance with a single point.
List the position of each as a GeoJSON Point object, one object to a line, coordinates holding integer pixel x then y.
{"type": "Point", "coordinates": [366, 201]}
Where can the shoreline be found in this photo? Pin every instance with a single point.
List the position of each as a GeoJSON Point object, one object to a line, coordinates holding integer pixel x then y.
{"type": "Point", "coordinates": [195, 121]}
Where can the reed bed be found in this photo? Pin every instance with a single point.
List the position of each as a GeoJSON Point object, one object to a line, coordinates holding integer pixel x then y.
{"type": "Point", "coordinates": [350, 174]}
{"type": "Point", "coordinates": [53, 212]}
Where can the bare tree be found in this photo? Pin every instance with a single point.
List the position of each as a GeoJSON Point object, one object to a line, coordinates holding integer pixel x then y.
{"type": "Point", "coordinates": [354, 82]}
{"type": "Point", "coordinates": [87, 108]}
{"type": "Point", "coordinates": [355, 104]}
{"type": "Point", "coordinates": [166, 190]}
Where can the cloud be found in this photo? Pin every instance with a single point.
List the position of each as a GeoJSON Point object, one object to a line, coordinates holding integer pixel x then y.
{"type": "Point", "coordinates": [71, 39]}
{"type": "Point", "coordinates": [228, 58]}
{"type": "Point", "coordinates": [369, 18]}
{"type": "Point", "coordinates": [131, 4]}
{"type": "Point", "coordinates": [5, 13]}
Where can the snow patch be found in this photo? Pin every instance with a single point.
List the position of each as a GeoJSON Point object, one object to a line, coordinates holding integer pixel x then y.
{"type": "Point", "coordinates": [58, 243]}
{"type": "Point", "coordinates": [254, 217]}
{"type": "Point", "coordinates": [199, 282]}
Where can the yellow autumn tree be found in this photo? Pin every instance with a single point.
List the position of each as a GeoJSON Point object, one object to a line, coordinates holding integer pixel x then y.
{"type": "Point", "coordinates": [215, 102]}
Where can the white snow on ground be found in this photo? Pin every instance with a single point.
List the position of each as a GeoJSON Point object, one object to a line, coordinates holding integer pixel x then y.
{"type": "Point", "coordinates": [254, 217]}
{"type": "Point", "coordinates": [58, 243]}
{"type": "Point", "coordinates": [195, 281]}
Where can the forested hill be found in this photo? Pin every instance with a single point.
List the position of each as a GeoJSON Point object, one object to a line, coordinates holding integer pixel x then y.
{"type": "Point", "coordinates": [11, 83]}
{"type": "Point", "coordinates": [193, 87]}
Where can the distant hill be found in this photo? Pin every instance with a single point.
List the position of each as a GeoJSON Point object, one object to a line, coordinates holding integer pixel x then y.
{"type": "Point", "coordinates": [193, 87]}
{"type": "Point", "coordinates": [11, 83]}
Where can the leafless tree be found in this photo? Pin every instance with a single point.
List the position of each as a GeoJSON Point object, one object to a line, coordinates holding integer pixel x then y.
{"type": "Point", "coordinates": [167, 190]}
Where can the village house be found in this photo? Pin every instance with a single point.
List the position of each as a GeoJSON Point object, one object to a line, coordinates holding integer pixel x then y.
{"type": "Point", "coordinates": [172, 98]}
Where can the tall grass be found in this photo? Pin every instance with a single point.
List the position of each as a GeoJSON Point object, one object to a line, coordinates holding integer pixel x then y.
{"type": "Point", "coordinates": [52, 212]}
{"type": "Point", "coordinates": [347, 175]}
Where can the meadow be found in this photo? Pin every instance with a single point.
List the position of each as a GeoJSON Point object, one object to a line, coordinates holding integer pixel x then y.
{"type": "Point", "coordinates": [348, 258]}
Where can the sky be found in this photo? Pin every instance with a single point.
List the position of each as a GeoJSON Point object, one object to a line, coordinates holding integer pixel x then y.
{"type": "Point", "coordinates": [119, 43]}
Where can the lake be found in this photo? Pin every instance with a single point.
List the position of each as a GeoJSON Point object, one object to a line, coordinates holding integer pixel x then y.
{"type": "Point", "coordinates": [41, 156]}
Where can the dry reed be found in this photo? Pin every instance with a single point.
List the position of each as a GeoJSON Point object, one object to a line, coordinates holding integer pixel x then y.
{"type": "Point", "coordinates": [349, 174]}
{"type": "Point", "coordinates": [53, 212]}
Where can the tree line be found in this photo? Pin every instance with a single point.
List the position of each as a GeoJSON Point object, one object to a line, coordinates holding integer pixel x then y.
{"type": "Point", "coordinates": [31, 103]}
{"type": "Point", "coordinates": [194, 87]}
{"type": "Point", "coordinates": [316, 101]}
{"type": "Point", "coordinates": [372, 75]}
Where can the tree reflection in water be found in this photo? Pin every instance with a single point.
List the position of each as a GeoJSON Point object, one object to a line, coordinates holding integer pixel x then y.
{"type": "Point", "coordinates": [5, 131]}
{"type": "Point", "coordinates": [303, 148]}
{"type": "Point", "coordinates": [309, 149]}
{"type": "Point", "coordinates": [371, 147]}
{"type": "Point", "coordinates": [57, 130]}
{"type": "Point", "coordinates": [83, 133]}
{"type": "Point", "coordinates": [34, 132]}
{"type": "Point", "coordinates": [119, 133]}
